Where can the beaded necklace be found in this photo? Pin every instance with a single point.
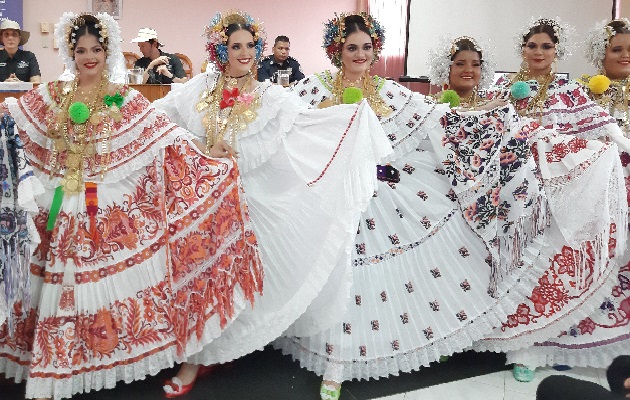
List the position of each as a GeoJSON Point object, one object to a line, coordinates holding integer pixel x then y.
{"type": "Point", "coordinates": [228, 109]}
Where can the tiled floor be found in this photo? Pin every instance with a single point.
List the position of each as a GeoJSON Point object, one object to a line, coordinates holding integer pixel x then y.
{"type": "Point", "coordinates": [268, 375]}
{"type": "Point", "coordinates": [496, 386]}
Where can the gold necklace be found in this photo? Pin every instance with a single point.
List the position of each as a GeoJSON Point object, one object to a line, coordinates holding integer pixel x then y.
{"type": "Point", "coordinates": [369, 88]}
{"type": "Point", "coordinates": [536, 104]}
{"type": "Point", "coordinates": [73, 142]}
{"type": "Point", "coordinates": [616, 100]}
{"type": "Point", "coordinates": [228, 110]}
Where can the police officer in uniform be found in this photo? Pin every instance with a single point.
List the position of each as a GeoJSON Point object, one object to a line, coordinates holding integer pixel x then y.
{"type": "Point", "coordinates": [280, 60]}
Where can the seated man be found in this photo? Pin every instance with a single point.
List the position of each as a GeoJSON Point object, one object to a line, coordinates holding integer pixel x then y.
{"type": "Point", "coordinates": [268, 67]}
{"type": "Point", "coordinates": [159, 67]}
{"type": "Point", "coordinates": [560, 387]}
{"type": "Point", "coordinates": [16, 65]}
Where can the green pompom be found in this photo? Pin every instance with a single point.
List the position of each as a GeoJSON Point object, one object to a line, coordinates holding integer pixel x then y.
{"type": "Point", "coordinates": [79, 112]}
{"type": "Point", "coordinates": [520, 90]}
{"type": "Point", "coordinates": [451, 97]}
{"type": "Point", "coordinates": [352, 95]}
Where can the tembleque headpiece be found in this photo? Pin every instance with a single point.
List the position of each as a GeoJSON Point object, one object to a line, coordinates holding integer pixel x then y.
{"type": "Point", "coordinates": [440, 62]}
{"type": "Point", "coordinates": [335, 36]}
{"type": "Point", "coordinates": [563, 32]}
{"type": "Point", "coordinates": [216, 35]}
{"type": "Point", "coordinates": [598, 40]}
{"type": "Point", "coordinates": [65, 36]}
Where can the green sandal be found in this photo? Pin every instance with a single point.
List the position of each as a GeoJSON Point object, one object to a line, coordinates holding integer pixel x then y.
{"type": "Point", "coordinates": [522, 373]}
{"type": "Point", "coordinates": [327, 392]}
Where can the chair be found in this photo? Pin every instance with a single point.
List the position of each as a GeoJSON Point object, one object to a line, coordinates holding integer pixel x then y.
{"type": "Point", "coordinates": [130, 59]}
{"type": "Point", "coordinates": [188, 67]}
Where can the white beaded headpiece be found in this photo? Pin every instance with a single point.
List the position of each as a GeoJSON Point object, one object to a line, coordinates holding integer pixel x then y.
{"type": "Point", "coordinates": [563, 32]}
{"type": "Point", "coordinates": [598, 40]}
{"type": "Point", "coordinates": [439, 61]}
{"type": "Point", "coordinates": [110, 32]}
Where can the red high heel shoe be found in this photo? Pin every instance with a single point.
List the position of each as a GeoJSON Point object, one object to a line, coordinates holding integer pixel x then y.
{"type": "Point", "coordinates": [175, 387]}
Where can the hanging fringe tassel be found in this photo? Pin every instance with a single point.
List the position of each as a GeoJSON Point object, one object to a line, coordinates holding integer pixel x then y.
{"type": "Point", "coordinates": [91, 204]}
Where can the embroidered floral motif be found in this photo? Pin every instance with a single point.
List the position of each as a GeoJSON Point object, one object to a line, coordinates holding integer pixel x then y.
{"type": "Point", "coordinates": [436, 273]}
{"type": "Point", "coordinates": [362, 351]}
{"type": "Point", "coordinates": [394, 239]}
{"type": "Point", "coordinates": [461, 315]}
{"type": "Point", "coordinates": [329, 348]}
{"type": "Point", "coordinates": [357, 300]}
{"type": "Point", "coordinates": [395, 345]}
{"type": "Point", "coordinates": [409, 287]}
{"type": "Point", "coordinates": [371, 225]}
{"type": "Point", "coordinates": [404, 318]}
{"type": "Point", "coordinates": [435, 305]}
{"type": "Point", "coordinates": [347, 328]}
{"type": "Point", "coordinates": [463, 251]}
{"type": "Point", "coordinates": [375, 325]}
{"type": "Point", "coordinates": [465, 285]}
{"type": "Point", "coordinates": [423, 195]}
{"type": "Point", "coordinates": [360, 248]}
{"type": "Point", "coordinates": [383, 296]}
{"type": "Point", "coordinates": [425, 222]}
{"type": "Point", "coordinates": [428, 333]}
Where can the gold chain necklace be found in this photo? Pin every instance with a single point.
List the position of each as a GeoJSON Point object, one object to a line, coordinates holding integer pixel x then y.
{"type": "Point", "coordinates": [616, 100]}
{"type": "Point", "coordinates": [228, 109]}
{"type": "Point", "coordinates": [369, 88]}
{"type": "Point", "coordinates": [73, 142]}
{"type": "Point", "coordinates": [536, 104]}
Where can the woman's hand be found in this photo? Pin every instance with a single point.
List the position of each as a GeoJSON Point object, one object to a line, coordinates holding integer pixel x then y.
{"type": "Point", "coordinates": [4, 110]}
{"type": "Point", "coordinates": [222, 150]}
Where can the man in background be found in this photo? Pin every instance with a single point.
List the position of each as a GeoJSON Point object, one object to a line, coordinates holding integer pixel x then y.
{"type": "Point", "coordinates": [280, 60]}
{"type": "Point", "coordinates": [159, 67]}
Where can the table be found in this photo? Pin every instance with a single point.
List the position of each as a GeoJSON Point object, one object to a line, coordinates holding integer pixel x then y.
{"type": "Point", "coordinates": [151, 92]}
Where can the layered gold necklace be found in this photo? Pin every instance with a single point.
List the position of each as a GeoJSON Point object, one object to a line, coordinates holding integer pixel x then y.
{"type": "Point", "coordinates": [73, 131]}
{"type": "Point", "coordinates": [369, 88]}
{"type": "Point", "coordinates": [228, 110]}
{"type": "Point", "coordinates": [535, 105]}
{"type": "Point", "coordinates": [616, 100]}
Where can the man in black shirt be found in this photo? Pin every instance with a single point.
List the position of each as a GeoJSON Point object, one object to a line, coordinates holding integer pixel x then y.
{"type": "Point", "coordinates": [159, 67]}
{"type": "Point", "coordinates": [280, 60]}
{"type": "Point", "coordinates": [16, 64]}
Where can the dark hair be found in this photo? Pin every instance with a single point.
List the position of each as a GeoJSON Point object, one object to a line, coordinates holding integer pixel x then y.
{"type": "Point", "coordinates": [619, 26]}
{"type": "Point", "coordinates": [238, 27]}
{"type": "Point", "coordinates": [87, 26]}
{"type": "Point", "coordinates": [466, 44]}
{"type": "Point", "coordinates": [542, 27]}
{"type": "Point", "coordinates": [281, 38]}
{"type": "Point", "coordinates": [617, 373]}
{"type": "Point", "coordinates": [356, 23]}
{"type": "Point", "coordinates": [151, 41]}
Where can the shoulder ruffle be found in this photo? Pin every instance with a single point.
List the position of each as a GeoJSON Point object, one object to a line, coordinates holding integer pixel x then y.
{"type": "Point", "coordinates": [135, 141]}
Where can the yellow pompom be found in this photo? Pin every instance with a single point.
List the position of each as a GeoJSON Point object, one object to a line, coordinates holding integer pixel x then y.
{"type": "Point", "coordinates": [599, 84]}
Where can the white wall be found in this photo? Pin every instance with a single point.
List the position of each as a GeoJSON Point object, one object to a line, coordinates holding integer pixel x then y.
{"type": "Point", "coordinates": [497, 22]}
{"type": "Point", "coordinates": [179, 24]}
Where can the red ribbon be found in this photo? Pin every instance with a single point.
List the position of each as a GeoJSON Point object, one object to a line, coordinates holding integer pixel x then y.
{"type": "Point", "coordinates": [229, 97]}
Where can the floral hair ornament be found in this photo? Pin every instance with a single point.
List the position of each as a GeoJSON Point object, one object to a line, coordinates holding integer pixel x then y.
{"type": "Point", "coordinates": [439, 61]}
{"type": "Point", "coordinates": [598, 40]}
{"type": "Point", "coordinates": [562, 31]}
{"type": "Point", "coordinates": [216, 36]}
{"type": "Point", "coordinates": [335, 36]}
{"type": "Point", "coordinates": [109, 31]}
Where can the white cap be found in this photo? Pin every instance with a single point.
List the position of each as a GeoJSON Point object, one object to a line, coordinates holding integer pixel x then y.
{"type": "Point", "coordinates": [146, 34]}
